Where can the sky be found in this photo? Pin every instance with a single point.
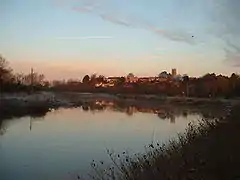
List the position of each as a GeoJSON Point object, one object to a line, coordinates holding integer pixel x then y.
{"type": "Point", "coordinates": [70, 38]}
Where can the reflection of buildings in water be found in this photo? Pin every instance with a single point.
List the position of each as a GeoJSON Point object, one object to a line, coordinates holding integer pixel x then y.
{"type": "Point", "coordinates": [104, 103]}
{"type": "Point", "coordinates": [165, 114]}
{"type": "Point", "coordinates": [85, 108]}
{"type": "Point", "coordinates": [95, 106]}
{"type": "Point", "coordinates": [130, 110]}
{"type": "Point", "coordinates": [162, 115]}
{"type": "Point", "coordinates": [169, 113]}
{"type": "Point", "coordinates": [92, 108]}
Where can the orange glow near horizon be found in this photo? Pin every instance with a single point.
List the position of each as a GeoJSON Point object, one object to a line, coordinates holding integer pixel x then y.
{"type": "Point", "coordinates": [58, 70]}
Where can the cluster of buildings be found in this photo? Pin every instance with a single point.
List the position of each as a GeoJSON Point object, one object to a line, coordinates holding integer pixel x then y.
{"type": "Point", "coordinates": [127, 80]}
{"type": "Point", "coordinates": [130, 78]}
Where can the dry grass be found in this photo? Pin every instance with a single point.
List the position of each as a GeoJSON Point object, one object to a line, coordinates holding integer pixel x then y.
{"type": "Point", "coordinates": [208, 150]}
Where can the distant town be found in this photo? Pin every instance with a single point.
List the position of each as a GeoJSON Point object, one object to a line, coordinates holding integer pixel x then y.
{"type": "Point", "coordinates": [100, 80]}
{"type": "Point", "coordinates": [165, 83]}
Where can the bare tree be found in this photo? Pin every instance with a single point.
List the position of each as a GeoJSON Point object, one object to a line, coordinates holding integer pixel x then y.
{"type": "Point", "coordinates": [5, 70]}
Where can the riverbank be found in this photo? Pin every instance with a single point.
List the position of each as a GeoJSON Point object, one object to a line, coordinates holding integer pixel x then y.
{"type": "Point", "coordinates": [201, 153]}
{"type": "Point", "coordinates": [207, 151]}
{"type": "Point", "coordinates": [37, 104]}
{"type": "Point", "coordinates": [66, 98]}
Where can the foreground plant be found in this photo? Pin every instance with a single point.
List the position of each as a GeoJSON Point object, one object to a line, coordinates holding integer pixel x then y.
{"type": "Point", "coordinates": [207, 150]}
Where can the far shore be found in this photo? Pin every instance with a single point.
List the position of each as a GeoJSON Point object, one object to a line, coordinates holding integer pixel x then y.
{"type": "Point", "coordinates": [39, 103]}
{"type": "Point", "coordinates": [71, 98]}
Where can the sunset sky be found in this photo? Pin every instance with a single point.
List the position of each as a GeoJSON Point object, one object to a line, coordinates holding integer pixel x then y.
{"type": "Point", "coordinates": [70, 38]}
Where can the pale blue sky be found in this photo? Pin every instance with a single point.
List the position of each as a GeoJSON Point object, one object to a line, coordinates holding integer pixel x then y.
{"type": "Point", "coordinates": [145, 37]}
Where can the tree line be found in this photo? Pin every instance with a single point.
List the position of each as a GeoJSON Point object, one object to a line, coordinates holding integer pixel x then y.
{"type": "Point", "coordinates": [209, 85]}
{"type": "Point", "coordinates": [14, 82]}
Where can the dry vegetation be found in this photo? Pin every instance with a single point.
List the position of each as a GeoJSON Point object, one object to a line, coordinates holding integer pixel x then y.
{"type": "Point", "coordinates": [206, 151]}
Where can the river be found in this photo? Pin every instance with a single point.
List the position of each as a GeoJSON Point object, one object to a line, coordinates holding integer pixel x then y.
{"type": "Point", "coordinates": [61, 143]}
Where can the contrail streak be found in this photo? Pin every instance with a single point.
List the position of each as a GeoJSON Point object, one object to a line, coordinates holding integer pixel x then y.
{"type": "Point", "coordinates": [85, 37]}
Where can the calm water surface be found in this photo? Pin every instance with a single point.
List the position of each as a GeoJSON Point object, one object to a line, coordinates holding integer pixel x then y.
{"type": "Point", "coordinates": [65, 141]}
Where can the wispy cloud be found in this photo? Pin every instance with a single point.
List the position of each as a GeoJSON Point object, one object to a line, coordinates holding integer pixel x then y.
{"type": "Point", "coordinates": [114, 20]}
{"type": "Point", "coordinates": [84, 37]}
{"type": "Point", "coordinates": [226, 21]}
{"type": "Point", "coordinates": [94, 7]}
{"type": "Point", "coordinates": [232, 52]}
{"type": "Point", "coordinates": [85, 9]}
{"type": "Point", "coordinates": [176, 35]}
{"type": "Point", "coordinates": [232, 57]}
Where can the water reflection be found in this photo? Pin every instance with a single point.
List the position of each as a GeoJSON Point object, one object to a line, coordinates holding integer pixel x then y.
{"type": "Point", "coordinates": [50, 143]}
{"type": "Point", "coordinates": [34, 113]}
{"type": "Point", "coordinates": [162, 111]}
{"type": "Point", "coordinates": [2, 128]}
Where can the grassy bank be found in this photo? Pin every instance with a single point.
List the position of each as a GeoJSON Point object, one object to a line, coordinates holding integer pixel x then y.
{"type": "Point", "coordinates": [207, 151]}
{"type": "Point", "coordinates": [18, 105]}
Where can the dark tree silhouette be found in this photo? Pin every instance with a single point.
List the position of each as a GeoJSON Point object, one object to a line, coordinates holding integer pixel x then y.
{"type": "Point", "coordinates": [100, 78]}
{"type": "Point", "coordinates": [93, 79]}
{"type": "Point", "coordinates": [86, 79]}
{"type": "Point", "coordinates": [5, 70]}
{"type": "Point", "coordinates": [121, 80]}
{"type": "Point", "coordinates": [186, 82]}
{"type": "Point", "coordinates": [130, 75]}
